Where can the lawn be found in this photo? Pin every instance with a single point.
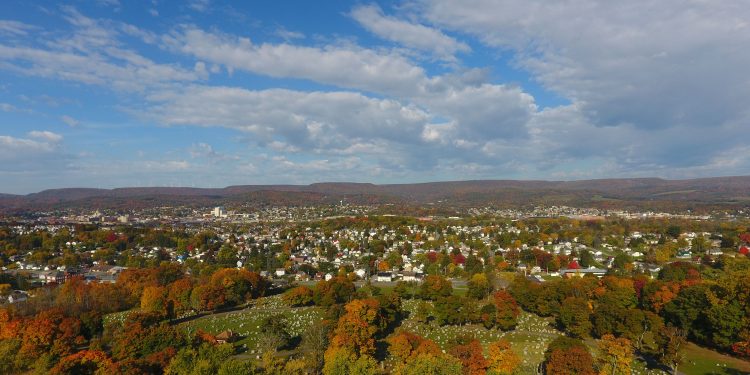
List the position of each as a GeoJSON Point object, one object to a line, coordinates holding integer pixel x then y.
{"type": "Point", "coordinates": [699, 361]}
{"type": "Point", "coordinates": [247, 322]}
{"type": "Point", "coordinates": [529, 340]}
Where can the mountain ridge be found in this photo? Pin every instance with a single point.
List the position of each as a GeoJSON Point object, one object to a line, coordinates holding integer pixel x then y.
{"type": "Point", "coordinates": [711, 190]}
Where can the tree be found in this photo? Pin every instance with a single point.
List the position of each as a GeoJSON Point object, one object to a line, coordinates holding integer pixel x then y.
{"type": "Point", "coordinates": [565, 355]}
{"type": "Point", "coordinates": [154, 299]}
{"type": "Point", "coordinates": [405, 346]}
{"type": "Point", "coordinates": [615, 355]}
{"type": "Point", "coordinates": [341, 361]}
{"type": "Point", "coordinates": [84, 362]}
{"type": "Point", "coordinates": [501, 358]}
{"type": "Point", "coordinates": [471, 357]}
{"type": "Point", "coordinates": [478, 286]}
{"type": "Point", "coordinates": [726, 323]}
{"type": "Point", "coordinates": [672, 341]}
{"type": "Point", "coordinates": [178, 295]}
{"type": "Point", "coordinates": [422, 315]}
{"type": "Point", "coordinates": [334, 291]}
{"type": "Point", "coordinates": [434, 287]}
{"type": "Point", "coordinates": [428, 364]}
{"type": "Point", "coordinates": [314, 344]}
{"type": "Point", "coordinates": [488, 315]}
{"type": "Point", "coordinates": [299, 296]}
{"type": "Point", "coordinates": [356, 329]}
{"type": "Point", "coordinates": [239, 285]}
{"type": "Point", "coordinates": [575, 317]}
{"type": "Point", "coordinates": [206, 359]}
{"type": "Point", "coordinates": [207, 297]}
{"type": "Point", "coordinates": [507, 310]}
{"type": "Point", "coordinates": [273, 334]}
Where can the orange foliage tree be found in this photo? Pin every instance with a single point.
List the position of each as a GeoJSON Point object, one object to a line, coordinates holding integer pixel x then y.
{"type": "Point", "coordinates": [502, 359]}
{"type": "Point", "coordinates": [84, 362]}
{"type": "Point", "coordinates": [356, 329]}
{"type": "Point", "coordinates": [471, 357]}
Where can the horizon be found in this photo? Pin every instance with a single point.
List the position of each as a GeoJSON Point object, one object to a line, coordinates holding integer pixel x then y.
{"type": "Point", "coordinates": [214, 93]}
{"type": "Point", "coordinates": [369, 183]}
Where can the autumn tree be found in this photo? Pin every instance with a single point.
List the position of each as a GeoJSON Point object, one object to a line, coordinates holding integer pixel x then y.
{"type": "Point", "coordinates": [471, 356]}
{"type": "Point", "coordinates": [615, 355]}
{"type": "Point", "coordinates": [507, 310]}
{"type": "Point", "coordinates": [356, 329]}
{"type": "Point", "coordinates": [334, 291]}
{"type": "Point", "coordinates": [154, 299]}
{"type": "Point", "coordinates": [342, 361]}
{"type": "Point", "coordinates": [84, 362]}
{"type": "Point", "coordinates": [429, 364]}
{"type": "Point", "coordinates": [240, 285]}
{"type": "Point", "coordinates": [502, 360]}
{"type": "Point", "coordinates": [404, 346]}
{"type": "Point", "coordinates": [478, 286]}
{"type": "Point", "coordinates": [299, 296]}
{"type": "Point", "coordinates": [207, 297]}
{"type": "Point", "coordinates": [434, 287]}
{"type": "Point", "coordinates": [575, 317]}
{"type": "Point", "coordinates": [672, 341]}
{"type": "Point", "coordinates": [565, 355]}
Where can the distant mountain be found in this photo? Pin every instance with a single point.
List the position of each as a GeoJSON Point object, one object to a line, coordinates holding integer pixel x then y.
{"type": "Point", "coordinates": [635, 192]}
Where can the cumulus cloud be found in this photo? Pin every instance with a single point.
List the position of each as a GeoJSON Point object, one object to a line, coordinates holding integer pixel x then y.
{"type": "Point", "coordinates": [408, 34]}
{"type": "Point", "coordinates": [345, 66]}
{"type": "Point", "coordinates": [17, 28]}
{"type": "Point", "coordinates": [70, 121]}
{"type": "Point", "coordinates": [307, 120]}
{"type": "Point", "coordinates": [204, 150]}
{"type": "Point", "coordinates": [40, 151]}
{"type": "Point", "coordinates": [91, 54]}
{"type": "Point", "coordinates": [648, 64]}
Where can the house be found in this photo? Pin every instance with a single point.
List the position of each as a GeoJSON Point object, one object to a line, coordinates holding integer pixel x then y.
{"type": "Point", "coordinates": [280, 272]}
{"type": "Point", "coordinates": [384, 277]}
{"type": "Point", "coordinates": [581, 272]}
{"type": "Point", "coordinates": [48, 277]}
{"type": "Point", "coordinates": [226, 337]}
{"type": "Point", "coordinates": [18, 296]}
{"type": "Point", "coordinates": [409, 276]}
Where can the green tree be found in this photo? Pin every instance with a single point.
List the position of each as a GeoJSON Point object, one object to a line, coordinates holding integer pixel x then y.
{"type": "Point", "coordinates": [575, 317]}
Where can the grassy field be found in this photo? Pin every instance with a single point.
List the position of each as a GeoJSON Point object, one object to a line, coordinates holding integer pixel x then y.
{"type": "Point", "coordinates": [529, 340]}
{"type": "Point", "coordinates": [700, 361]}
{"type": "Point", "coordinates": [247, 322]}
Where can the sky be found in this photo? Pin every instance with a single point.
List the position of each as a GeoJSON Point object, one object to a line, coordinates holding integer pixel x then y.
{"type": "Point", "coordinates": [211, 93]}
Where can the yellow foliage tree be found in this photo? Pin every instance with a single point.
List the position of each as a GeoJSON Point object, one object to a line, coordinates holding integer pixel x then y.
{"type": "Point", "coordinates": [615, 355]}
{"type": "Point", "coordinates": [502, 359]}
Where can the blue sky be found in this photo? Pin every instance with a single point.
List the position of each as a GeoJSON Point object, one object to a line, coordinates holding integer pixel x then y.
{"type": "Point", "coordinates": [212, 93]}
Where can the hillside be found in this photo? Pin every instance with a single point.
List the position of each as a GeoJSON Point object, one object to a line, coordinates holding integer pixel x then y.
{"type": "Point", "coordinates": [641, 192]}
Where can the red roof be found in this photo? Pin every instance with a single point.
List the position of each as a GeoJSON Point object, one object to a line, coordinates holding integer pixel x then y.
{"type": "Point", "coordinates": [744, 250]}
{"type": "Point", "coordinates": [573, 265]}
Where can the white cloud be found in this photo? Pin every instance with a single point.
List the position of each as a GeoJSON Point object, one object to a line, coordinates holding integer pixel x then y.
{"type": "Point", "coordinates": [70, 121]}
{"type": "Point", "coordinates": [649, 64]}
{"type": "Point", "coordinates": [40, 152]}
{"type": "Point", "coordinates": [344, 66]}
{"type": "Point", "coordinates": [199, 5]}
{"type": "Point", "coordinates": [306, 120]}
{"type": "Point", "coordinates": [46, 136]}
{"type": "Point", "coordinates": [91, 54]}
{"type": "Point", "coordinates": [15, 27]}
{"type": "Point", "coordinates": [408, 34]}
{"type": "Point", "coordinates": [288, 35]}
{"type": "Point", "coordinates": [204, 150]}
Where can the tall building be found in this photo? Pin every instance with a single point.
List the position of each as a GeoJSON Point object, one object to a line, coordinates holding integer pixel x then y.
{"type": "Point", "coordinates": [220, 212]}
